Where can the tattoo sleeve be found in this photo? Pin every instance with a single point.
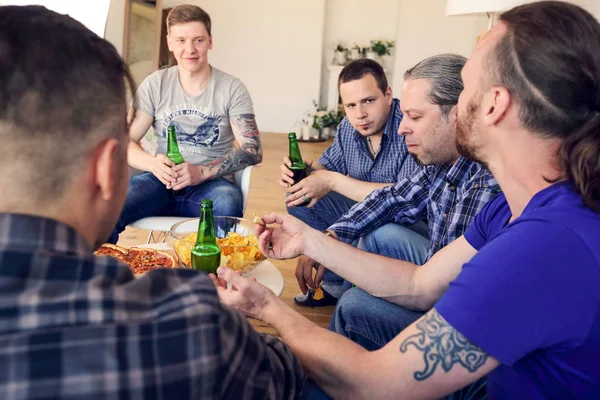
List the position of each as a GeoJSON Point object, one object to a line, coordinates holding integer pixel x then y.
{"type": "Point", "coordinates": [443, 345]}
{"type": "Point", "coordinates": [249, 151]}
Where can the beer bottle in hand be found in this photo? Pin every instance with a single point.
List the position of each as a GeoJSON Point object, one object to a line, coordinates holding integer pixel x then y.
{"type": "Point", "coordinates": [174, 154]}
{"type": "Point", "coordinates": [206, 254]}
{"type": "Point", "coordinates": [299, 167]}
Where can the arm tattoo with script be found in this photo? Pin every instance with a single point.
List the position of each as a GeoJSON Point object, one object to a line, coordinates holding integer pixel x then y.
{"type": "Point", "coordinates": [442, 344]}
{"type": "Point", "coordinates": [249, 152]}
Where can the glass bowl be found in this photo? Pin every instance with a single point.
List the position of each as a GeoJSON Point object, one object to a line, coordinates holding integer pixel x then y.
{"type": "Point", "coordinates": [242, 257]}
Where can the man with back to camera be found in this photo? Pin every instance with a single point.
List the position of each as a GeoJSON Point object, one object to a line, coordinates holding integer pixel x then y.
{"type": "Point", "coordinates": [211, 112]}
{"type": "Point", "coordinates": [76, 325]}
{"type": "Point", "coordinates": [516, 298]}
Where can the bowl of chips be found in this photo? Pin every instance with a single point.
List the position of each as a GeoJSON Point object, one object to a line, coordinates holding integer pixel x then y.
{"type": "Point", "coordinates": [236, 237]}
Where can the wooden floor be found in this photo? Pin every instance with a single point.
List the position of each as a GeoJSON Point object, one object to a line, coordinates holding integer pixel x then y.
{"type": "Point", "coordinates": [266, 196]}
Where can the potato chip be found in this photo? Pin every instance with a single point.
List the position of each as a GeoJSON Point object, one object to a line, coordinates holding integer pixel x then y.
{"type": "Point", "coordinates": [258, 220]}
{"type": "Point", "coordinates": [237, 251]}
{"type": "Point", "coordinates": [318, 294]}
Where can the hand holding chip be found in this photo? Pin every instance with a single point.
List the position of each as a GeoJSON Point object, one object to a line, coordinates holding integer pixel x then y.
{"type": "Point", "coordinates": [288, 240]}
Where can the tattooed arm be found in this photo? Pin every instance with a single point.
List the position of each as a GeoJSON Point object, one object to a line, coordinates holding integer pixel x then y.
{"type": "Point", "coordinates": [248, 152]}
{"type": "Point", "coordinates": [429, 359]}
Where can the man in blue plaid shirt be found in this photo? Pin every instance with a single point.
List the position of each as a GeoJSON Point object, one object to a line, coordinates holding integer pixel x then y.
{"type": "Point", "coordinates": [366, 154]}
{"type": "Point", "coordinates": [78, 326]}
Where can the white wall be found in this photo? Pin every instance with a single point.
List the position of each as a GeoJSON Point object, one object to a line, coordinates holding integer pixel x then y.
{"type": "Point", "coordinates": [593, 6]}
{"type": "Point", "coordinates": [357, 22]}
{"type": "Point", "coordinates": [274, 47]}
{"type": "Point", "coordinates": [115, 24]}
{"type": "Point", "coordinates": [424, 30]}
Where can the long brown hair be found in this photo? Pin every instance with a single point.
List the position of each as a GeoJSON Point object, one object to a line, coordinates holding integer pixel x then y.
{"type": "Point", "coordinates": [550, 61]}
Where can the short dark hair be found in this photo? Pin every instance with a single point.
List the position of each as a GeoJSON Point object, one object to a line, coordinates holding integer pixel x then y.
{"type": "Point", "coordinates": [185, 13]}
{"type": "Point", "coordinates": [549, 60]}
{"type": "Point", "coordinates": [62, 91]}
{"type": "Point", "coordinates": [443, 73]}
{"type": "Point", "coordinates": [359, 68]}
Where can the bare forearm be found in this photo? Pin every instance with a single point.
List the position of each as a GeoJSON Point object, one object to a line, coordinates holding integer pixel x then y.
{"type": "Point", "coordinates": [383, 277]}
{"type": "Point", "coordinates": [353, 188]}
{"type": "Point", "coordinates": [138, 158]}
{"type": "Point", "coordinates": [316, 166]}
{"type": "Point", "coordinates": [403, 369]}
{"type": "Point", "coordinates": [329, 359]}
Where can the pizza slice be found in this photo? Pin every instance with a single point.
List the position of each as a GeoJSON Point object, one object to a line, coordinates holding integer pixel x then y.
{"type": "Point", "coordinates": [142, 260]}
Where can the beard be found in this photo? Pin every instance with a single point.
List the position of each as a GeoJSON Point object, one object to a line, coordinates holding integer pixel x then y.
{"type": "Point", "coordinates": [466, 129]}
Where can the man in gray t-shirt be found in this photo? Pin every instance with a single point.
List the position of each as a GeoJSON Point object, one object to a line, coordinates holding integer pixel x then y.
{"type": "Point", "coordinates": [202, 122]}
{"type": "Point", "coordinates": [210, 110]}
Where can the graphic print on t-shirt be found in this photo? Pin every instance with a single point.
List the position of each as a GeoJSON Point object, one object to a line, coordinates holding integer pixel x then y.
{"type": "Point", "coordinates": [196, 127]}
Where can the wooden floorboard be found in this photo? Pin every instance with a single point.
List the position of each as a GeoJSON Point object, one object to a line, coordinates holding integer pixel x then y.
{"type": "Point", "coordinates": [266, 196]}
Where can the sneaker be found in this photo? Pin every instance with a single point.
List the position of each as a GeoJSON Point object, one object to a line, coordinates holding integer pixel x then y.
{"type": "Point", "coordinates": [315, 298]}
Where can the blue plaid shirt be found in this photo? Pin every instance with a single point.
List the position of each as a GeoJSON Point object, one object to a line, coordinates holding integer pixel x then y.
{"type": "Point", "coordinates": [78, 326]}
{"type": "Point", "coordinates": [349, 154]}
{"type": "Point", "coordinates": [448, 196]}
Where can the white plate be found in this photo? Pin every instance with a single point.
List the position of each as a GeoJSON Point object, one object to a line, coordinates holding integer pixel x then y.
{"type": "Point", "coordinates": [268, 274]}
{"type": "Point", "coordinates": [265, 272]}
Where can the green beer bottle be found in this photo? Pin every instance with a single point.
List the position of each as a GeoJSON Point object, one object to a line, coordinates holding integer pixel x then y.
{"type": "Point", "coordinates": [206, 255]}
{"type": "Point", "coordinates": [173, 153]}
{"type": "Point", "coordinates": [299, 167]}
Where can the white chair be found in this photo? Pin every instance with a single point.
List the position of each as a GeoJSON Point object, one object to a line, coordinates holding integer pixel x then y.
{"type": "Point", "coordinates": [162, 225]}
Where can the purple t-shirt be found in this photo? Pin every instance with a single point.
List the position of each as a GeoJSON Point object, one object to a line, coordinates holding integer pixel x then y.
{"type": "Point", "coordinates": [530, 297]}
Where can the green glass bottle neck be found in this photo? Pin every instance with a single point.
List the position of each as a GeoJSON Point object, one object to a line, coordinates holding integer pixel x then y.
{"type": "Point", "coordinates": [295, 156]}
{"type": "Point", "coordinates": [206, 228]}
{"type": "Point", "coordinates": [172, 148]}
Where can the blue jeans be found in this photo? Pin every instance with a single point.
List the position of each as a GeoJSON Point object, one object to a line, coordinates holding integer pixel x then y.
{"type": "Point", "coordinates": [148, 197]}
{"type": "Point", "coordinates": [326, 211]}
{"type": "Point", "coordinates": [391, 240]}
{"type": "Point", "coordinates": [408, 243]}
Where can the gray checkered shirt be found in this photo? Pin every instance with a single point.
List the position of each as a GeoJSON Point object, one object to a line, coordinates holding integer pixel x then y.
{"type": "Point", "coordinates": [78, 326]}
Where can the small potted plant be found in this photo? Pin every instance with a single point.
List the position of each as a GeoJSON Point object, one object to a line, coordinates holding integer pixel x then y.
{"type": "Point", "coordinates": [380, 48]}
{"type": "Point", "coordinates": [318, 126]}
{"type": "Point", "coordinates": [340, 54]}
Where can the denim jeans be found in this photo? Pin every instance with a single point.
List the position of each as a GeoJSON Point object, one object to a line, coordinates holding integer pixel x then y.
{"type": "Point", "coordinates": [325, 212]}
{"type": "Point", "coordinates": [147, 197]}
{"type": "Point", "coordinates": [391, 240]}
{"type": "Point", "coordinates": [408, 243]}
